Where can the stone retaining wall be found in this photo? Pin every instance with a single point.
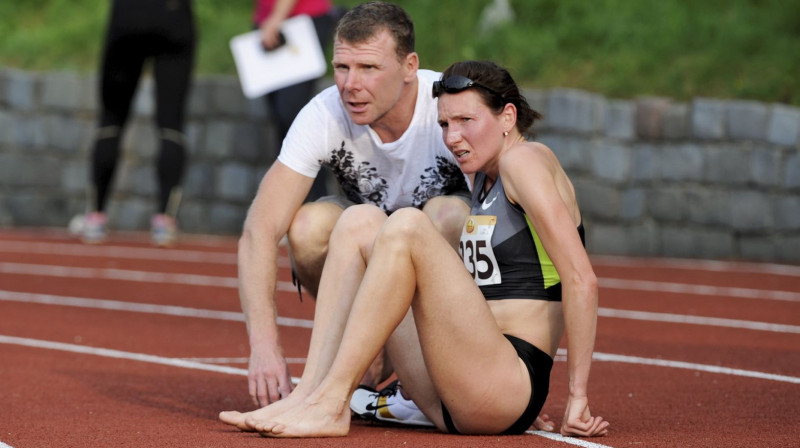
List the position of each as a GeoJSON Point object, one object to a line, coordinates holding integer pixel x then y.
{"type": "Point", "coordinates": [655, 177]}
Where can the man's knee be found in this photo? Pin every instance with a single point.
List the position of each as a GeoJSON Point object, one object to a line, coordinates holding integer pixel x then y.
{"type": "Point", "coordinates": [448, 214]}
{"type": "Point", "coordinates": [312, 226]}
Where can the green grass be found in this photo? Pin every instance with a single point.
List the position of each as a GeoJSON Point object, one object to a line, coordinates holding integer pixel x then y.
{"type": "Point", "coordinates": [746, 49]}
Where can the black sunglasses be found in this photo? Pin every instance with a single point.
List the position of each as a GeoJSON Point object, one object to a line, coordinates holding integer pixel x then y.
{"type": "Point", "coordinates": [455, 84]}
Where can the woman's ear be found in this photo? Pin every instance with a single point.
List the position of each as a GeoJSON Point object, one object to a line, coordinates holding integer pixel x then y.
{"type": "Point", "coordinates": [509, 117]}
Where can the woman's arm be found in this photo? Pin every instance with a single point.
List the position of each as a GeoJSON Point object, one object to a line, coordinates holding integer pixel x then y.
{"type": "Point", "coordinates": [533, 179]}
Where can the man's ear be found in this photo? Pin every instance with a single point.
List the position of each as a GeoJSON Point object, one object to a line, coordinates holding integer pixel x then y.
{"type": "Point", "coordinates": [411, 64]}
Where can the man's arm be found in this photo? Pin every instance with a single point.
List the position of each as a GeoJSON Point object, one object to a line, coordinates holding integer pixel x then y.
{"type": "Point", "coordinates": [279, 196]}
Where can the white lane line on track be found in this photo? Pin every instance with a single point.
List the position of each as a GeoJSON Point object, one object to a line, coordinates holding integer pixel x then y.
{"type": "Point", "coordinates": [233, 282]}
{"type": "Point", "coordinates": [104, 304]}
{"type": "Point", "coordinates": [3, 445]}
{"type": "Point", "coordinates": [194, 255]}
{"type": "Point", "coordinates": [697, 320]}
{"type": "Point", "coordinates": [608, 357]}
{"type": "Point", "coordinates": [239, 360]}
{"type": "Point", "coordinates": [115, 305]}
{"type": "Point", "coordinates": [568, 440]}
{"type": "Point", "coordinates": [118, 354]}
{"type": "Point", "coordinates": [133, 253]}
{"type": "Point", "coordinates": [704, 290]}
{"type": "Point", "coordinates": [697, 265]}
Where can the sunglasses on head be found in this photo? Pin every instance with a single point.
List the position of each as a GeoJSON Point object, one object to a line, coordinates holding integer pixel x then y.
{"type": "Point", "coordinates": [455, 84]}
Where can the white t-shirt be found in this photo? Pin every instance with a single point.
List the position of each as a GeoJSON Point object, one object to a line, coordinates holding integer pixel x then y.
{"type": "Point", "coordinates": [402, 173]}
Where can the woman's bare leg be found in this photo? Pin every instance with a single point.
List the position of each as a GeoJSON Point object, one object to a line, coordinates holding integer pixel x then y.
{"type": "Point", "coordinates": [349, 246]}
{"type": "Point", "coordinates": [475, 369]}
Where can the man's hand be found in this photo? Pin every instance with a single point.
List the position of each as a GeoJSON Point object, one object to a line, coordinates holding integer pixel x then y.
{"type": "Point", "coordinates": [578, 421]}
{"type": "Point", "coordinates": [268, 376]}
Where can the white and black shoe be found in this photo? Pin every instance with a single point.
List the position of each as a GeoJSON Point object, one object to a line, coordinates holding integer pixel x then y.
{"type": "Point", "coordinates": [387, 406]}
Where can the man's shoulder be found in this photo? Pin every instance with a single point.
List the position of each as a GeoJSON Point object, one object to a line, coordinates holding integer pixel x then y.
{"type": "Point", "coordinates": [428, 76]}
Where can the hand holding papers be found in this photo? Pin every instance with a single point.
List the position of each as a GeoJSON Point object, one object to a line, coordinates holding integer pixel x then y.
{"type": "Point", "coordinates": [299, 59]}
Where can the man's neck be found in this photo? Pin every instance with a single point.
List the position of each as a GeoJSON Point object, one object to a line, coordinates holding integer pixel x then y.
{"type": "Point", "coordinates": [395, 122]}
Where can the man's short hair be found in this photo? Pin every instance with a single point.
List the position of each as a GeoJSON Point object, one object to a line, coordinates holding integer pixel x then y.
{"type": "Point", "coordinates": [366, 20]}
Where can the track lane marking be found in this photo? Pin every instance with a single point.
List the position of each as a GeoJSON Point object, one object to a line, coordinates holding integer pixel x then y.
{"type": "Point", "coordinates": [116, 305]}
{"type": "Point", "coordinates": [233, 282]}
{"type": "Point", "coordinates": [237, 316]}
{"type": "Point", "coordinates": [194, 255]}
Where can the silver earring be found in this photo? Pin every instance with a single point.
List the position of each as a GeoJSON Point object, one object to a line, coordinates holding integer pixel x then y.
{"type": "Point", "coordinates": [505, 134]}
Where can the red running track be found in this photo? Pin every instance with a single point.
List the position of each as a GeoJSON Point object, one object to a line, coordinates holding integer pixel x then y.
{"type": "Point", "coordinates": [125, 345]}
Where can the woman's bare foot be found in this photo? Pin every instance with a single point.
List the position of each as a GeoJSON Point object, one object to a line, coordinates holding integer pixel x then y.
{"type": "Point", "coordinates": [239, 419]}
{"type": "Point", "coordinates": [324, 417]}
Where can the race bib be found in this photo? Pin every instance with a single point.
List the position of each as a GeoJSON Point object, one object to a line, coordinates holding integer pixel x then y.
{"type": "Point", "coordinates": [475, 248]}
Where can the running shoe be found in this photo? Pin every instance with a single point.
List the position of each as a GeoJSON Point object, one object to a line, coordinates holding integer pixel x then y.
{"type": "Point", "coordinates": [91, 227]}
{"type": "Point", "coordinates": [163, 230]}
{"type": "Point", "coordinates": [387, 406]}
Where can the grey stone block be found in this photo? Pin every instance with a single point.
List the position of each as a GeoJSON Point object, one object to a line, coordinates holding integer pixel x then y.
{"type": "Point", "coordinates": [747, 120]}
{"type": "Point", "coordinates": [676, 122]}
{"type": "Point", "coordinates": [227, 218]}
{"type": "Point", "coordinates": [257, 109]}
{"type": "Point", "coordinates": [714, 244]}
{"type": "Point", "coordinates": [197, 98]}
{"type": "Point", "coordinates": [751, 210]}
{"type": "Point", "coordinates": [649, 116]}
{"type": "Point", "coordinates": [226, 97]}
{"type": "Point", "coordinates": [757, 248]}
{"type": "Point", "coordinates": [141, 139]}
{"type": "Point", "coordinates": [787, 248]}
{"type": "Point", "coordinates": [787, 213]}
{"type": "Point", "coordinates": [709, 207]}
{"type": "Point", "coordinates": [792, 176]}
{"type": "Point", "coordinates": [621, 120]}
{"type": "Point", "coordinates": [31, 132]}
{"type": "Point", "coordinates": [246, 144]}
{"type": "Point", "coordinates": [75, 176]}
{"type": "Point", "coordinates": [199, 181]}
{"type": "Point", "coordinates": [596, 200]}
{"type": "Point", "coordinates": [667, 204]}
{"type": "Point", "coordinates": [575, 111]}
{"type": "Point", "coordinates": [144, 102]}
{"type": "Point", "coordinates": [573, 153]}
{"type": "Point", "coordinates": [682, 163]}
{"type": "Point", "coordinates": [8, 128]}
{"type": "Point", "coordinates": [537, 99]}
{"type": "Point", "coordinates": [20, 89]}
{"type": "Point", "coordinates": [132, 214]}
{"type": "Point", "coordinates": [62, 90]}
{"type": "Point", "coordinates": [765, 167]}
{"type": "Point", "coordinates": [219, 139]}
{"type": "Point", "coordinates": [708, 118]}
{"type": "Point", "coordinates": [645, 162]}
{"type": "Point", "coordinates": [784, 125]}
{"type": "Point", "coordinates": [68, 134]}
{"type": "Point", "coordinates": [633, 204]}
{"type": "Point", "coordinates": [677, 242]}
{"type": "Point", "coordinates": [611, 161]}
{"type": "Point", "coordinates": [35, 208]}
{"type": "Point", "coordinates": [29, 170]}
{"type": "Point", "coordinates": [728, 164]}
{"type": "Point", "coordinates": [235, 182]}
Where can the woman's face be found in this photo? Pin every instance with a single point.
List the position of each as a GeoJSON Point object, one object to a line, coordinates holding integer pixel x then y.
{"type": "Point", "coordinates": [470, 130]}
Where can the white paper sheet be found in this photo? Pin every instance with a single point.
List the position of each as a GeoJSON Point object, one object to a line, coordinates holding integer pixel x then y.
{"type": "Point", "coordinates": [300, 59]}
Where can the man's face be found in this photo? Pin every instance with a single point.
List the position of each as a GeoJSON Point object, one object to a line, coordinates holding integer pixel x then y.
{"type": "Point", "coordinates": [369, 76]}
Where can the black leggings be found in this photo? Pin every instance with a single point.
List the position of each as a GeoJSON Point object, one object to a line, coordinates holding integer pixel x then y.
{"type": "Point", "coordinates": [539, 365]}
{"type": "Point", "coordinates": [140, 30]}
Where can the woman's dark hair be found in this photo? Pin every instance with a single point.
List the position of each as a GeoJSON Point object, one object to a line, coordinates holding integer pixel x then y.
{"type": "Point", "coordinates": [366, 20]}
{"type": "Point", "coordinates": [498, 79]}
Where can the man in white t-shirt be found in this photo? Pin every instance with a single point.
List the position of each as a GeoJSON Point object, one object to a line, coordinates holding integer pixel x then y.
{"type": "Point", "coordinates": [378, 131]}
